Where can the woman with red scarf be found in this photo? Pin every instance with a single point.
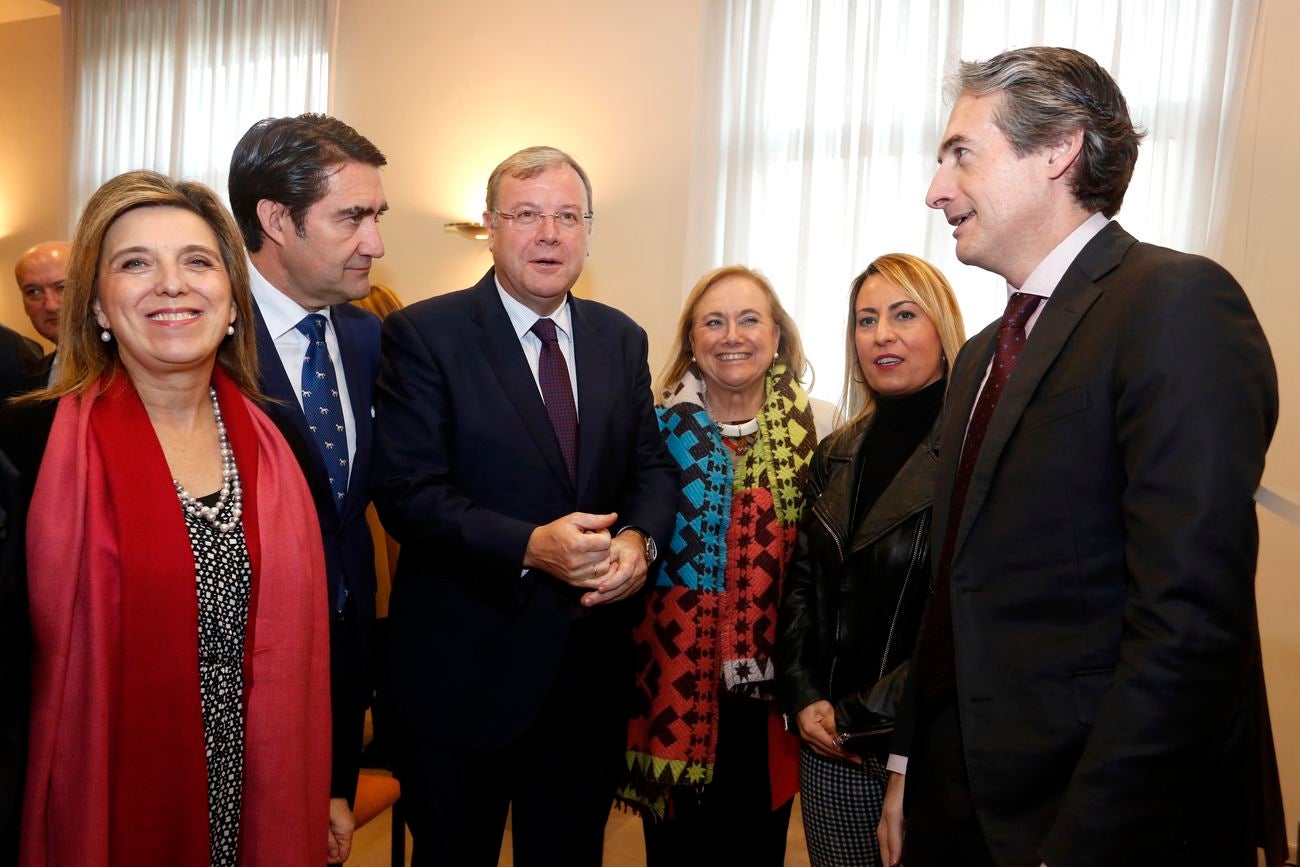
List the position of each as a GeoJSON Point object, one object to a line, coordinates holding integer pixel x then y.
{"type": "Point", "coordinates": [180, 655]}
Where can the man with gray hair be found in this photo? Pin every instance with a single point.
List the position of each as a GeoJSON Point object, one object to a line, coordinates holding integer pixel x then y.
{"type": "Point", "coordinates": [519, 464]}
{"type": "Point", "coordinates": [1086, 688]}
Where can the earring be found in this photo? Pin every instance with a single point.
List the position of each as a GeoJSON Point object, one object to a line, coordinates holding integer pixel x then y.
{"type": "Point", "coordinates": [230, 330]}
{"type": "Point", "coordinates": [105, 335]}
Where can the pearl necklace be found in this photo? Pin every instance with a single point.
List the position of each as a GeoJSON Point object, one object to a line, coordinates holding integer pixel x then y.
{"type": "Point", "coordinates": [230, 488]}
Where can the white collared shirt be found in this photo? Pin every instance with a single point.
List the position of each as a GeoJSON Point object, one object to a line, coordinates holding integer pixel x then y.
{"type": "Point", "coordinates": [522, 319]}
{"type": "Point", "coordinates": [1044, 279]}
{"type": "Point", "coordinates": [282, 315]}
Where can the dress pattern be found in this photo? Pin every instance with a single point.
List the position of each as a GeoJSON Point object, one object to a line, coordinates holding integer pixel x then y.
{"type": "Point", "coordinates": [223, 578]}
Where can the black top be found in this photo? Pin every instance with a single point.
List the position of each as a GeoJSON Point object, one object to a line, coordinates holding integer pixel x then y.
{"type": "Point", "coordinates": [899, 425]}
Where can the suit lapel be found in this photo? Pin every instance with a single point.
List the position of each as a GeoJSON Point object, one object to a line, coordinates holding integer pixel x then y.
{"type": "Point", "coordinates": [958, 406]}
{"type": "Point", "coordinates": [596, 381]}
{"type": "Point", "coordinates": [505, 356]}
{"type": "Point", "coordinates": [359, 395]}
{"type": "Point", "coordinates": [1077, 291]}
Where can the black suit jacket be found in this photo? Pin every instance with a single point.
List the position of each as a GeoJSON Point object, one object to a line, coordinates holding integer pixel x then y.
{"type": "Point", "coordinates": [20, 363]}
{"type": "Point", "coordinates": [24, 431]}
{"type": "Point", "coordinates": [1107, 654]}
{"type": "Point", "coordinates": [467, 465]}
{"type": "Point", "coordinates": [349, 551]}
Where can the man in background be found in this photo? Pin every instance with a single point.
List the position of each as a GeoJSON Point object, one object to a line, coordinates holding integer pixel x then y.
{"type": "Point", "coordinates": [1086, 688]}
{"type": "Point", "coordinates": [41, 272]}
{"type": "Point", "coordinates": [307, 195]}
{"type": "Point", "coordinates": [519, 465]}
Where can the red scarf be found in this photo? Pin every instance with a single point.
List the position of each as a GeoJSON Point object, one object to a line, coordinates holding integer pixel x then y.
{"type": "Point", "coordinates": [116, 773]}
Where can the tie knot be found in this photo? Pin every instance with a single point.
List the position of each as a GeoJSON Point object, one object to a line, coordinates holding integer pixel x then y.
{"type": "Point", "coordinates": [545, 330]}
{"type": "Point", "coordinates": [1020, 306]}
{"type": "Point", "coordinates": [312, 325]}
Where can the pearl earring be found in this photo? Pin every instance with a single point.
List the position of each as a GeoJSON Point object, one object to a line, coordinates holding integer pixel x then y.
{"type": "Point", "coordinates": [230, 330]}
{"type": "Point", "coordinates": [105, 335]}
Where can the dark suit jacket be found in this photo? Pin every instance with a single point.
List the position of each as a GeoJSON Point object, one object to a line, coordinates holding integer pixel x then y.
{"type": "Point", "coordinates": [467, 465]}
{"type": "Point", "coordinates": [20, 362]}
{"type": "Point", "coordinates": [24, 431]}
{"type": "Point", "coordinates": [1107, 654]}
{"type": "Point", "coordinates": [349, 551]}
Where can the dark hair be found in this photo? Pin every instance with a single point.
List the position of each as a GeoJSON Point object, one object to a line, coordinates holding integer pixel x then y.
{"type": "Point", "coordinates": [1047, 93]}
{"type": "Point", "coordinates": [289, 160]}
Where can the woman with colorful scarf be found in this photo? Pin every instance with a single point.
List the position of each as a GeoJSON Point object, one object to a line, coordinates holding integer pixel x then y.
{"type": "Point", "coordinates": [180, 683]}
{"type": "Point", "coordinates": [710, 767]}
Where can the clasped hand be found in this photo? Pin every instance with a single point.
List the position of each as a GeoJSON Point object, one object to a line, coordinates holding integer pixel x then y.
{"type": "Point", "coordinates": [579, 550]}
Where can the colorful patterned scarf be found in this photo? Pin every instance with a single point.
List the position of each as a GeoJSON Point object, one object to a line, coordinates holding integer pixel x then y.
{"type": "Point", "coordinates": [116, 773]}
{"type": "Point", "coordinates": [711, 610]}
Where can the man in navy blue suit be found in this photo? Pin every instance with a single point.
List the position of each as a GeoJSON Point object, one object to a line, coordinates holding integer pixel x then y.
{"type": "Point", "coordinates": [519, 464]}
{"type": "Point", "coordinates": [307, 195]}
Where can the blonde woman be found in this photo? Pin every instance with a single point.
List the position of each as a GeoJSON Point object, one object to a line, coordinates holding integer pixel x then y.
{"type": "Point", "coordinates": [856, 590]}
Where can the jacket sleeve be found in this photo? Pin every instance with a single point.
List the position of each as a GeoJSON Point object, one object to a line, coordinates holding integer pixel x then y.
{"type": "Point", "coordinates": [1195, 404]}
{"type": "Point", "coordinates": [650, 501]}
{"type": "Point", "coordinates": [796, 649]}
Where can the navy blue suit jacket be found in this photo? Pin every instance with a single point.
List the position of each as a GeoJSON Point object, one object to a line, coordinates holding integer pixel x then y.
{"type": "Point", "coordinates": [467, 465]}
{"type": "Point", "coordinates": [349, 550]}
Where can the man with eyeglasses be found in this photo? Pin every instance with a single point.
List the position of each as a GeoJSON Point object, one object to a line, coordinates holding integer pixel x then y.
{"type": "Point", "coordinates": [520, 466]}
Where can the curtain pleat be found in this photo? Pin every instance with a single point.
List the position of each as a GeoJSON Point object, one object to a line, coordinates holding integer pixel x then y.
{"type": "Point", "coordinates": [172, 86]}
{"type": "Point", "coordinates": [820, 121]}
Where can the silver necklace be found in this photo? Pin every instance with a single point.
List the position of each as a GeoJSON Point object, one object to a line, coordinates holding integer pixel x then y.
{"type": "Point", "coordinates": [230, 488]}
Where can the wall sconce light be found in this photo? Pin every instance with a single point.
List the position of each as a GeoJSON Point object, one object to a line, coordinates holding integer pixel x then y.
{"type": "Point", "coordinates": [473, 231]}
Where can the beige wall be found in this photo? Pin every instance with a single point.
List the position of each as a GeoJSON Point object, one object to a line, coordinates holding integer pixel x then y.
{"type": "Point", "coordinates": [614, 83]}
{"type": "Point", "coordinates": [1263, 253]}
{"type": "Point", "coordinates": [31, 150]}
{"type": "Point", "coordinates": [448, 90]}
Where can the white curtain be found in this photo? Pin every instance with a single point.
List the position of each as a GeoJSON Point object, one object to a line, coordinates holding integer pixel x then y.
{"type": "Point", "coordinates": [172, 85]}
{"type": "Point", "coordinates": [820, 122]}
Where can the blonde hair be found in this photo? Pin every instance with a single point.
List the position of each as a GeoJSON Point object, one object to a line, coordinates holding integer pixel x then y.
{"type": "Point", "coordinates": [789, 349]}
{"type": "Point", "coordinates": [381, 301]}
{"type": "Point", "coordinates": [83, 357]}
{"type": "Point", "coordinates": [529, 163]}
{"type": "Point", "coordinates": [926, 287]}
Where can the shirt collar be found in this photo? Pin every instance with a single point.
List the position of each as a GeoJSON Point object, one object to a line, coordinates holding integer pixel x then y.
{"type": "Point", "coordinates": [522, 318]}
{"type": "Point", "coordinates": [1044, 279]}
{"type": "Point", "coordinates": [280, 312]}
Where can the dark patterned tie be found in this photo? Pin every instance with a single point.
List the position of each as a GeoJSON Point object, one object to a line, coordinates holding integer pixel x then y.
{"type": "Point", "coordinates": [323, 407]}
{"type": "Point", "coordinates": [557, 392]}
{"type": "Point", "coordinates": [935, 664]}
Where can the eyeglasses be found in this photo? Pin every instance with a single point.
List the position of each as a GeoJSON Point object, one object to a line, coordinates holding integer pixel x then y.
{"type": "Point", "coordinates": [526, 218]}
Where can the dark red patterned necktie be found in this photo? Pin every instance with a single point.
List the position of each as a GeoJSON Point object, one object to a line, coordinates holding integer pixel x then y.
{"type": "Point", "coordinates": [935, 664]}
{"type": "Point", "coordinates": [557, 392]}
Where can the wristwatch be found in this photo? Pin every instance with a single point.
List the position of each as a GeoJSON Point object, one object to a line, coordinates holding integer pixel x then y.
{"type": "Point", "coordinates": [650, 549]}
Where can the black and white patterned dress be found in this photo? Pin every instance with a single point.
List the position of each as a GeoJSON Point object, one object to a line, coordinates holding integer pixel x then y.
{"type": "Point", "coordinates": [223, 576]}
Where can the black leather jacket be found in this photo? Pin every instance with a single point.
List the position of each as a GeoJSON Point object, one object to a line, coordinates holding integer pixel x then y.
{"type": "Point", "coordinates": [854, 597]}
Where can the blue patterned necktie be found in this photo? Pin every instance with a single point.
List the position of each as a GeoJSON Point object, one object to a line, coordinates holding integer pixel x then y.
{"type": "Point", "coordinates": [935, 665]}
{"type": "Point", "coordinates": [323, 407]}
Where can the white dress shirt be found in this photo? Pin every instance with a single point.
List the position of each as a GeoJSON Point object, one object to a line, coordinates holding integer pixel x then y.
{"type": "Point", "coordinates": [522, 319]}
{"type": "Point", "coordinates": [282, 315]}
